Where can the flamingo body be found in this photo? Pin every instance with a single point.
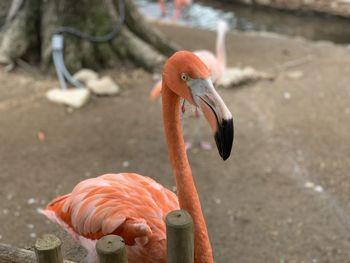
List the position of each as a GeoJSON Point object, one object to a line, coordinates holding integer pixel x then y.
{"type": "Point", "coordinates": [134, 207]}
{"type": "Point", "coordinates": [125, 204]}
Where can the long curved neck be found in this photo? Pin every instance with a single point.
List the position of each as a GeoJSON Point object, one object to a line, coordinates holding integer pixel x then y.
{"type": "Point", "coordinates": [186, 190]}
{"type": "Point", "coordinates": [220, 46]}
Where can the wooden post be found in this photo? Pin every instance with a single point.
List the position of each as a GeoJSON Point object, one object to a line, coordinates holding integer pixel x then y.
{"type": "Point", "coordinates": [11, 254]}
{"type": "Point", "coordinates": [111, 249]}
{"type": "Point", "coordinates": [48, 249]}
{"type": "Point", "coordinates": [180, 237]}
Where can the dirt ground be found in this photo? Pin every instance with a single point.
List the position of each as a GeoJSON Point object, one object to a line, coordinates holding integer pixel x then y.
{"type": "Point", "coordinates": [283, 196]}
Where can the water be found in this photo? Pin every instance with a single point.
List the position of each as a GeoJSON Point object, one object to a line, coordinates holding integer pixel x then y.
{"type": "Point", "coordinates": [205, 14]}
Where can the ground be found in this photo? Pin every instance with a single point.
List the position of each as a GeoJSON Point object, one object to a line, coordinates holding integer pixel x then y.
{"type": "Point", "coordinates": [283, 196]}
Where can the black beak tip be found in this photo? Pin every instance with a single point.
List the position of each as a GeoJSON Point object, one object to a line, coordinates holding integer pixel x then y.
{"type": "Point", "coordinates": [224, 138]}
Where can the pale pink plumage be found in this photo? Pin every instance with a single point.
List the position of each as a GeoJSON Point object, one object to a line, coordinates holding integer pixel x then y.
{"type": "Point", "coordinates": [125, 204]}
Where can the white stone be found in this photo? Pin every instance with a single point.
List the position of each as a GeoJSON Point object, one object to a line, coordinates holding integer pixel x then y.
{"type": "Point", "coordinates": [31, 201]}
{"type": "Point", "coordinates": [85, 75]}
{"type": "Point", "coordinates": [217, 200]}
{"type": "Point", "coordinates": [75, 98]}
{"type": "Point", "coordinates": [103, 86]}
{"type": "Point", "coordinates": [318, 189]}
{"type": "Point", "coordinates": [309, 185]}
{"type": "Point", "coordinates": [295, 74]}
{"type": "Point", "coordinates": [287, 95]}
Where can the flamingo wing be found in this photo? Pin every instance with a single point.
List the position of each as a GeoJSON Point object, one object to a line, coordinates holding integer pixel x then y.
{"type": "Point", "coordinates": [125, 204]}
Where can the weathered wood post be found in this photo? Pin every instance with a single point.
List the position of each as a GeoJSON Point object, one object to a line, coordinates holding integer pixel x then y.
{"type": "Point", "coordinates": [180, 237]}
{"type": "Point", "coordinates": [48, 249]}
{"type": "Point", "coordinates": [111, 249]}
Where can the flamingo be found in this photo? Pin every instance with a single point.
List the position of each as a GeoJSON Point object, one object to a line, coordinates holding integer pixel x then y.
{"type": "Point", "coordinates": [179, 5]}
{"type": "Point", "coordinates": [134, 206]}
{"type": "Point", "coordinates": [216, 63]}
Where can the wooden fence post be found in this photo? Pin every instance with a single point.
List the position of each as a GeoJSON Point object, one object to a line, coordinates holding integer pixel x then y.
{"type": "Point", "coordinates": [111, 249]}
{"type": "Point", "coordinates": [48, 249]}
{"type": "Point", "coordinates": [180, 237]}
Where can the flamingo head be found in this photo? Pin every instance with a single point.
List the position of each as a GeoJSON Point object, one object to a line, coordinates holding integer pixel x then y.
{"type": "Point", "coordinates": [188, 77]}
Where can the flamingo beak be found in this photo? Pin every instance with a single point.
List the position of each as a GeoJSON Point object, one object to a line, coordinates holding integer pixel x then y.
{"type": "Point", "coordinates": [216, 113]}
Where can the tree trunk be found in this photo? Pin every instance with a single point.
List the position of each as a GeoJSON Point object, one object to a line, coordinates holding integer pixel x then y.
{"type": "Point", "coordinates": [29, 25]}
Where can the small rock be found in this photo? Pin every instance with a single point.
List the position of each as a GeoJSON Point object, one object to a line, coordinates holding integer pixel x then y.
{"type": "Point", "coordinates": [85, 75]}
{"type": "Point", "coordinates": [318, 189]}
{"type": "Point", "coordinates": [31, 201]}
{"type": "Point", "coordinates": [32, 235]}
{"type": "Point", "coordinates": [309, 185]}
{"type": "Point", "coordinates": [5, 211]}
{"type": "Point", "coordinates": [16, 213]}
{"type": "Point", "coordinates": [103, 86]}
{"type": "Point", "coordinates": [30, 226]}
{"type": "Point", "coordinates": [126, 164]}
{"type": "Point", "coordinates": [217, 200]}
{"type": "Point", "coordinates": [75, 98]}
{"type": "Point", "coordinates": [286, 95]}
{"type": "Point", "coordinates": [295, 74]}
{"type": "Point", "coordinates": [206, 145]}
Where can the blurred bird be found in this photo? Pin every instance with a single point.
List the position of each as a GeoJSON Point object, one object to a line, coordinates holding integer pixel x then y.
{"type": "Point", "coordinates": [133, 206]}
{"type": "Point", "coordinates": [179, 6]}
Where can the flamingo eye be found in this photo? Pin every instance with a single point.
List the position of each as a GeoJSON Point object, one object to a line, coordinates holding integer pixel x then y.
{"type": "Point", "coordinates": [184, 77]}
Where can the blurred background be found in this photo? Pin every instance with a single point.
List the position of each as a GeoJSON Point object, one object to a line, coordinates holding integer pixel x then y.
{"type": "Point", "coordinates": [76, 79]}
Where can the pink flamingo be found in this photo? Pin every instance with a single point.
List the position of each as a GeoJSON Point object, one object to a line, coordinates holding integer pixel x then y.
{"type": "Point", "coordinates": [134, 206]}
{"type": "Point", "coordinates": [179, 6]}
{"type": "Point", "coordinates": [216, 64]}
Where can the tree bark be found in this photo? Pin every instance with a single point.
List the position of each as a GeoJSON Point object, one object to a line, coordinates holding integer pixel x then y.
{"type": "Point", "coordinates": [28, 34]}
